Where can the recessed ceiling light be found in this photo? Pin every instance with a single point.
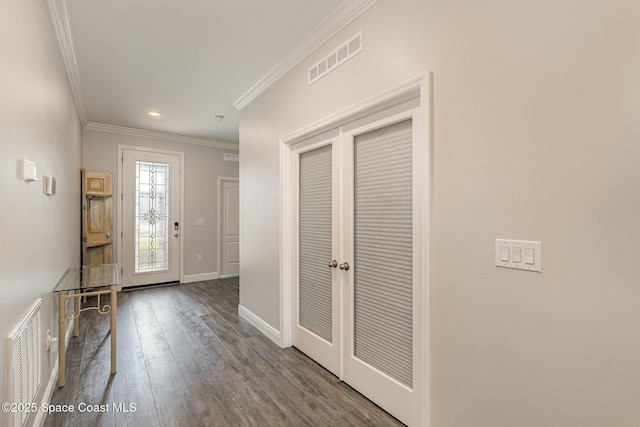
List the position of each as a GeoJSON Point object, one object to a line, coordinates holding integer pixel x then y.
{"type": "Point", "coordinates": [218, 118]}
{"type": "Point", "coordinates": [155, 114]}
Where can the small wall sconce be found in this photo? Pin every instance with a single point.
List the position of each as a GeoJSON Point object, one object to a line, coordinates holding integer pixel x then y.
{"type": "Point", "coordinates": [27, 170]}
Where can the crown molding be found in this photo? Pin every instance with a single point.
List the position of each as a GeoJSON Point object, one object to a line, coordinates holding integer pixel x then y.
{"type": "Point", "coordinates": [141, 133]}
{"type": "Point", "coordinates": [340, 18]}
{"type": "Point", "coordinates": [348, 11]}
{"type": "Point", "coordinates": [58, 11]}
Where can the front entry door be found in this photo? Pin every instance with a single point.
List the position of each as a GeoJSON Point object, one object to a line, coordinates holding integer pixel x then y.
{"type": "Point", "coordinates": [151, 225]}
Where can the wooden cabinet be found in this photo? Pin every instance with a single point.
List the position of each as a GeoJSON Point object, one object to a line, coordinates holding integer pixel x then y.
{"type": "Point", "coordinates": [97, 218]}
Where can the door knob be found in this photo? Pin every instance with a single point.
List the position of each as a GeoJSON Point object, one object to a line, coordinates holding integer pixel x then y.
{"type": "Point", "coordinates": [108, 235]}
{"type": "Point", "coordinates": [333, 263]}
{"type": "Point", "coordinates": [344, 266]}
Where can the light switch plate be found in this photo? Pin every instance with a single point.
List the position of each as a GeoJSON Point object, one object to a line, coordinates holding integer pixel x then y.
{"type": "Point", "coordinates": [522, 254]}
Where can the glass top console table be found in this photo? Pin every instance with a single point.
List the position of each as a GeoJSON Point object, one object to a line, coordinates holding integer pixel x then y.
{"type": "Point", "coordinates": [80, 283]}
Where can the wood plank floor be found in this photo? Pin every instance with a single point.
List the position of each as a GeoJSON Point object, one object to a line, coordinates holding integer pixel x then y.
{"type": "Point", "coordinates": [186, 359]}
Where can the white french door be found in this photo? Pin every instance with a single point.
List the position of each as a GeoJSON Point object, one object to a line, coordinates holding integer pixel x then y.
{"type": "Point", "coordinates": [151, 225]}
{"type": "Point", "coordinates": [382, 285]}
{"type": "Point", "coordinates": [357, 276]}
{"type": "Point", "coordinates": [317, 328]}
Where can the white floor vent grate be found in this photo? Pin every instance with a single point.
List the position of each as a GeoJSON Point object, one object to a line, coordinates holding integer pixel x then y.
{"type": "Point", "coordinates": [346, 51]}
{"type": "Point", "coordinates": [24, 363]}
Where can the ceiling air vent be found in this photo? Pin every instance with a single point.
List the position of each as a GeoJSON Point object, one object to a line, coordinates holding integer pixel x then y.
{"type": "Point", "coordinates": [342, 54]}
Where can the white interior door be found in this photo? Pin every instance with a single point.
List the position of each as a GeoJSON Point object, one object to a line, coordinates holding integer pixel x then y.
{"type": "Point", "coordinates": [380, 228]}
{"type": "Point", "coordinates": [316, 322]}
{"type": "Point", "coordinates": [230, 228]}
{"type": "Point", "coordinates": [356, 283]}
{"type": "Point", "coordinates": [381, 287]}
{"type": "Point", "coordinates": [151, 221]}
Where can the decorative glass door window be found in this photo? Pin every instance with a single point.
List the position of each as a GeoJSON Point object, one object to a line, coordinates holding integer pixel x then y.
{"type": "Point", "coordinates": [151, 217]}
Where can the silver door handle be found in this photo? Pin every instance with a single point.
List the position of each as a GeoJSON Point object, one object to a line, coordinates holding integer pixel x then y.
{"type": "Point", "coordinates": [333, 263]}
{"type": "Point", "coordinates": [344, 266]}
{"type": "Point", "coordinates": [108, 235]}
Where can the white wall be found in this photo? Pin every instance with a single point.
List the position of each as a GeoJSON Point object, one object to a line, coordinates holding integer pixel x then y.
{"type": "Point", "coordinates": [40, 234]}
{"type": "Point", "coordinates": [536, 110]}
{"type": "Point", "coordinates": [203, 165]}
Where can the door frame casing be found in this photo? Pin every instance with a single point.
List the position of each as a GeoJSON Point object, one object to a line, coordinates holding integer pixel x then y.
{"type": "Point", "coordinates": [119, 235]}
{"type": "Point", "coordinates": [221, 179]}
{"type": "Point", "coordinates": [418, 89]}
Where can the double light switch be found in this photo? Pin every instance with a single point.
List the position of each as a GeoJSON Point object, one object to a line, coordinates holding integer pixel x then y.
{"type": "Point", "coordinates": [519, 254]}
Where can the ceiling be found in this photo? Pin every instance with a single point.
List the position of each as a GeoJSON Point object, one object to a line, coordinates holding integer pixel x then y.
{"type": "Point", "coordinates": [190, 60]}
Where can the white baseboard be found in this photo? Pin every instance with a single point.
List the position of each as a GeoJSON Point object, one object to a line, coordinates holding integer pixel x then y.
{"type": "Point", "coordinates": [53, 380]}
{"type": "Point", "coordinates": [200, 277]}
{"type": "Point", "coordinates": [269, 331]}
